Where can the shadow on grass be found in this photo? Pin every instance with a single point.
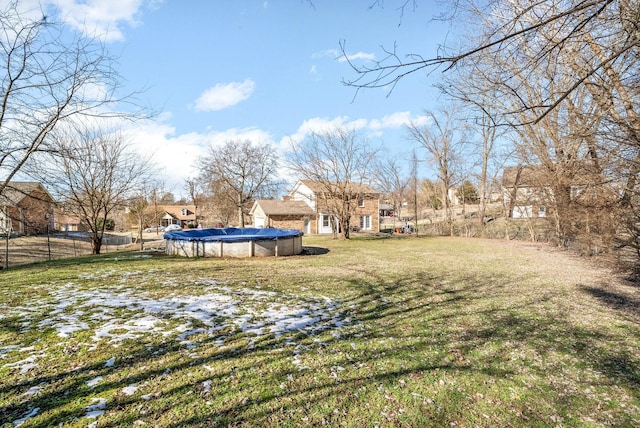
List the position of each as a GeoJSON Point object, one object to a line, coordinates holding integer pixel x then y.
{"type": "Point", "coordinates": [626, 304]}
{"type": "Point", "coordinates": [462, 334]}
{"type": "Point", "coordinates": [313, 251]}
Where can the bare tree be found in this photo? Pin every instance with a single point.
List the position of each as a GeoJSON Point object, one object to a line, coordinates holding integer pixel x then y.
{"type": "Point", "coordinates": [563, 143]}
{"type": "Point", "coordinates": [196, 194]}
{"type": "Point", "coordinates": [46, 78]}
{"type": "Point", "coordinates": [94, 174]}
{"type": "Point", "coordinates": [157, 196]}
{"type": "Point", "coordinates": [445, 144]}
{"type": "Point", "coordinates": [393, 181]}
{"type": "Point", "coordinates": [505, 23]}
{"type": "Point", "coordinates": [469, 87]}
{"type": "Point", "coordinates": [144, 207]}
{"type": "Point", "coordinates": [217, 206]}
{"type": "Point", "coordinates": [138, 210]}
{"type": "Point", "coordinates": [241, 171]}
{"type": "Point", "coordinates": [340, 162]}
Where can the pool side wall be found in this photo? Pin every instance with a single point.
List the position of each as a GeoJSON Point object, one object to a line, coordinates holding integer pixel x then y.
{"type": "Point", "coordinates": [287, 246]}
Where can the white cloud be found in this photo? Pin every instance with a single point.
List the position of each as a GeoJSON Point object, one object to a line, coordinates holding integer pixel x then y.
{"type": "Point", "coordinates": [342, 56]}
{"type": "Point", "coordinates": [222, 96]}
{"type": "Point", "coordinates": [99, 18]}
{"type": "Point", "coordinates": [176, 156]}
{"type": "Point", "coordinates": [357, 56]}
{"type": "Point", "coordinates": [328, 53]}
{"type": "Point", "coordinates": [320, 125]}
{"type": "Point", "coordinates": [397, 120]}
{"type": "Point", "coordinates": [372, 126]}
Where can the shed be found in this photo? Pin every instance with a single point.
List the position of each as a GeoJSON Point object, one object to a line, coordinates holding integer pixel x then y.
{"type": "Point", "coordinates": [282, 214]}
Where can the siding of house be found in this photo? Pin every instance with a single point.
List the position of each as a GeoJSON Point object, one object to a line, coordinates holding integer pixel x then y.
{"type": "Point", "coordinates": [287, 222]}
{"type": "Point", "coordinates": [371, 208]}
{"type": "Point", "coordinates": [524, 192]}
{"type": "Point", "coordinates": [35, 208]}
{"type": "Point", "coordinates": [303, 193]}
{"type": "Point", "coordinates": [30, 208]}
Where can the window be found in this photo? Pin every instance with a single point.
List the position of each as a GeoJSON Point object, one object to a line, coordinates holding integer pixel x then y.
{"type": "Point", "coordinates": [542, 211]}
{"type": "Point", "coordinates": [184, 211]}
{"type": "Point", "coordinates": [325, 221]}
{"type": "Point", "coordinates": [365, 222]}
{"type": "Point", "coordinates": [361, 202]}
{"type": "Point", "coordinates": [522, 211]}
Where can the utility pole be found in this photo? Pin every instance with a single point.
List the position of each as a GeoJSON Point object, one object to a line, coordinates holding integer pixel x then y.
{"type": "Point", "coordinates": [47, 216]}
{"type": "Point", "coordinates": [7, 231]}
{"type": "Point", "coordinates": [414, 173]}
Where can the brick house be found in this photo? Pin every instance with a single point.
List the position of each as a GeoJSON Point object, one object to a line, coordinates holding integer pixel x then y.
{"type": "Point", "coordinates": [26, 208]}
{"type": "Point", "coordinates": [316, 216]}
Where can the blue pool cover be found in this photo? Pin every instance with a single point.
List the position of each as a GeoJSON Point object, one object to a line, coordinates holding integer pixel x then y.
{"type": "Point", "coordinates": [233, 234]}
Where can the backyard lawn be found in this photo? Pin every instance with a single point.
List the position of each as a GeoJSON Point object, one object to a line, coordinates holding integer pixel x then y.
{"type": "Point", "coordinates": [401, 331]}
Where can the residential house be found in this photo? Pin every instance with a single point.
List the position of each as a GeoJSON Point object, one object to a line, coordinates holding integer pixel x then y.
{"type": "Point", "coordinates": [68, 223]}
{"type": "Point", "coordinates": [530, 191]}
{"type": "Point", "coordinates": [318, 217]}
{"type": "Point", "coordinates": [524, 189]}
{"type": "Point", "coordinates": [183, 215]}
{"type": "Point", "coordinates": [26, 208]}
{"type": "Point", "coordinates": [387, 210]}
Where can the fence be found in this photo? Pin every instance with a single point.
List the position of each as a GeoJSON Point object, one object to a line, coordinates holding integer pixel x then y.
{"type": "Point", "coordinates": [29, 249]}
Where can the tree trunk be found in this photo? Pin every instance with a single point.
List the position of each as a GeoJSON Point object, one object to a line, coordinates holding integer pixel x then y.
{"type": "Point", "coordinates": [240, 217]}
{"type": "Point", "coordinates": [96, 243]}
{"type": "Point", "coordinates": [140, 233]}
{"type": "Point", "coordinates": [345, 224]}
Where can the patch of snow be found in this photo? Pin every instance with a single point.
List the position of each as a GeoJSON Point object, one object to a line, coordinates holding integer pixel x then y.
{"type": "Point", "coordinates": [120, 312]}
{"type": "Point", "coordinates": [130, 390]}
{"type": "Point", "coordinates": [29, 415]}
{"type": "Point", "coordinates": [110, 362]}
{"type": "Point", "coordinates": [33, 390]}
{"type": "Point", "coordinates": [96, 409]}
{"type": "Point", "coordinates": [4, 350]}
{"type": "Point", "coordinates": [26, 364]}
{"type": "Point", "coordinates": [93, 382]}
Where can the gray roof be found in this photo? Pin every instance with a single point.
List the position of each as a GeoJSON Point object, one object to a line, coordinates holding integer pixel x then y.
{"type": "Point", "coordinates": [16, 191]}
{"type": "Point", "coordinates": [280, 207]}
{"type": "Point", "coordinates": [360, 188]}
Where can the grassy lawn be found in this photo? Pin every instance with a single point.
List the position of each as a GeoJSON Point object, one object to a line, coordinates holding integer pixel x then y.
{"type": "Point", "coordinates": [369, 332]}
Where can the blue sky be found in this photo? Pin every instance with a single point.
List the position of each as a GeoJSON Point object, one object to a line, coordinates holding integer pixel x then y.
{"type": "Point", "coordinates": [269, 71]}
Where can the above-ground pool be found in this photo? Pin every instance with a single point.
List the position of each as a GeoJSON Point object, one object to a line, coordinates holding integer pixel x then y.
{"type": "Point", "coordinates": [234, 242]}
